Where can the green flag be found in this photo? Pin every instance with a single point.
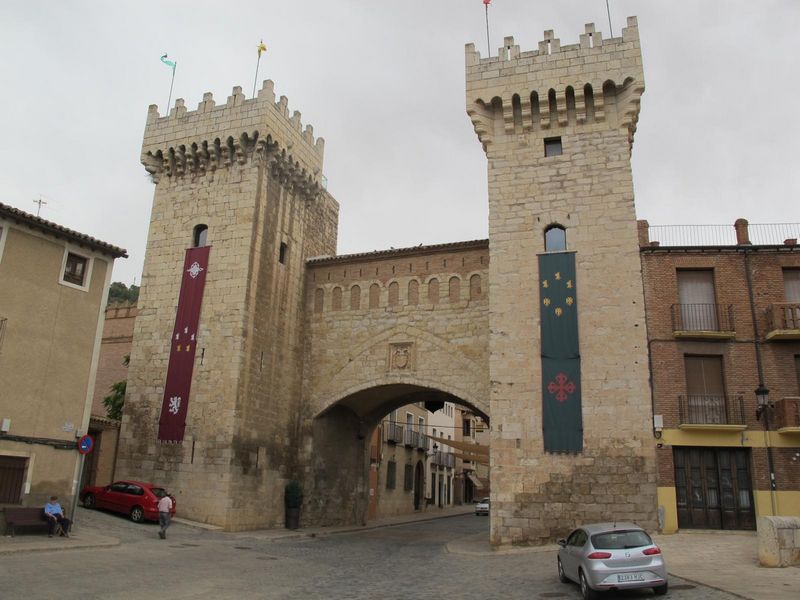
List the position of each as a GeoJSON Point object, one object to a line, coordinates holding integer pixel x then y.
{"type": "Point", "coordinates": [169, 63]}
{"type": "Point", "coordinates": [562, 420]}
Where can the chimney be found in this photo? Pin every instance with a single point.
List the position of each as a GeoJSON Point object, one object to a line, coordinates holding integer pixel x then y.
{"type": "Point", "coordinates": [742, 235]}
{"type": "Point", "coordinates": [643, 228]}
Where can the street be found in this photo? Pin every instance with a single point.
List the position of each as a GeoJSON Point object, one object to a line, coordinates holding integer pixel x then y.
{"type": "Point", "coordinates": [401, 562]}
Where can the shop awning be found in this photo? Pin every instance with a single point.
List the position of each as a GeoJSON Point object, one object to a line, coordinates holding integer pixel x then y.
{"type": "Point", "coordinates": [475, 481]}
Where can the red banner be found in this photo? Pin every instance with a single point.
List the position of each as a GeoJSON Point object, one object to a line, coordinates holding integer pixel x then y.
{"type": "Point", "coordinates": [172, 423]}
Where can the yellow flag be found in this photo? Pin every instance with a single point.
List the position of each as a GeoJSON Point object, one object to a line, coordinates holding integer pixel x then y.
{"type": "Point", "coordinates": [261, 48]}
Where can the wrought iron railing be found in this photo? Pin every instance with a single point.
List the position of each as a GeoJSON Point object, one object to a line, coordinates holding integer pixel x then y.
{"type": "Point", "coordinates": [424, 442]}
{"type": "Point", "coordinates": [444, 459]}
{"type": "Point", "coordinates": [787, 412]}
{"type": "Point", "coordinates": [393, 432]}
{"type": "Point", "coordinates": [784, 315]}
{"type": "Point", "coordinates": [411, 438]}
{"type": "Point", "coordinates": [711, 410]}
{"type": "Point", "coordinates": [702, 317]}
{"type": "Point", "coordinates": [767, 234]}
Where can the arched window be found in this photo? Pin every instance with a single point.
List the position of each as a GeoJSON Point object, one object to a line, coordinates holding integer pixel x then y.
{"type": "Point", "coordinates": [374, 295]}
{"type": "Point", "coordinates": [355, 297]}
{"type": "Point", "coordinates": [433, 291]}
{"type": "Point", "coordinates": [555, 238]}
{"type": "Point", "coordinates": [200, 237]}
{"type": "Point", "coordinates": [474, 287]}
{"type": "Point", "coordinates": [336, 300]}
{"type": "Point", "coordinates": [413, 292]}
{"type": "Point", "coordinates": [454, 290]}
{"type": "Point", "coordinates": [394, 293]}
{"type": "Point", "coordinates": [319, 300]}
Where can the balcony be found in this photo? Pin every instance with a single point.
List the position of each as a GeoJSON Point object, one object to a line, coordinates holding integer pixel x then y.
{"type": "Point", "coordinates": [393, 433]}
{"type": "Point", "coordinates": [444, 459]}
{"type": "Point", "coordinates": [722, 413]}
{"type": "Point", "coordinates": [424, 442]}
{"type": "Point", "coordinates": [411, 438]}
{"type": "Point", "coordinates": [783, 321]}
{"type": "Point", "coordinates": [787, 414]}
{"type": "Point", "coordinates": [703, 321]}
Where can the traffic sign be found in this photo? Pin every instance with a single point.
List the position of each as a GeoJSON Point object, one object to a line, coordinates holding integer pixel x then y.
{"type": "Point", "coordinates": [85, 444]}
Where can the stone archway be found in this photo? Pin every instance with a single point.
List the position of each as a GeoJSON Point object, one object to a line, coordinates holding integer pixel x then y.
{"type": "Point", "coordinates": [337, 454]}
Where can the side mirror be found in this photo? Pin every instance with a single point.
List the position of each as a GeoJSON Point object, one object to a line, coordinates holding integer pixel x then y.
{"type": "Point", "coordinates": [562, 542]}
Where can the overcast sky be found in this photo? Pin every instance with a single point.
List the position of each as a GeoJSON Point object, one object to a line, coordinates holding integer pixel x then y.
{"type": "Point", "coordinates": [383, 82]}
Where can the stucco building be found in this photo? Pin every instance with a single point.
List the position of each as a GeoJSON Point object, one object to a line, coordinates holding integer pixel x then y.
{"type": "Point", "coordinates": [53, 288]}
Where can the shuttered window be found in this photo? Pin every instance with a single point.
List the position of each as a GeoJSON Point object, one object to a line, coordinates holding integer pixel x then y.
{"type": "Point", "coordinates": [408, 478]}
{"type": "Point", "coordinates": [391, 474]}
{"type": "Point", "coordinates": [697, 299]}
{"type": "Point", "coordinates": [12, 477]}
{"type": "Point", "coordinates": [705, 389]}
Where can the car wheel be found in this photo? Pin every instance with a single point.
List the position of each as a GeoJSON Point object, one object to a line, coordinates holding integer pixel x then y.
{"type": "Point", "coordinates": [561, 575]}
{"type": "Point", "coordinates": [661, 590]}
{"type": "Point", "coordinates": [588, 593]}
{"type": "Point", "coordinates": [137, 514]}
{"type": "Point", "coordinates": [88, 501]}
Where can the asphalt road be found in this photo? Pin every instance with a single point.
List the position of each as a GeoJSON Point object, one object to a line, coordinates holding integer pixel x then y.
{"type": "Point", "coordinates": [402, 562]}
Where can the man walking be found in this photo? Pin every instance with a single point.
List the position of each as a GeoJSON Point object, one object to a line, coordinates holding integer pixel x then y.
{"type": "Point", "coordinates": [164, 508]}
{"type": "Point", "coordinates": [55, 516]}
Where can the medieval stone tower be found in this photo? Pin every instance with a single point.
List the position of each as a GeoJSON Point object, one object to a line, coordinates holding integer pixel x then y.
{"type": "Point", "coordinates": [570, 404]}
{"type": "Point", "coordinates": [238, 205]}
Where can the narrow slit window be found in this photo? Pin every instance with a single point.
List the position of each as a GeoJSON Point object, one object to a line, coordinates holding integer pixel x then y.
{"type": "Point", "coordinates": [282, 253]}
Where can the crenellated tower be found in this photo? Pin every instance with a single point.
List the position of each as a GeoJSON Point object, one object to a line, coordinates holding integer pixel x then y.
{"type": "Point", "coordinates": [557, 126]}
{"type": "Point", "coordinates": [245, 180]}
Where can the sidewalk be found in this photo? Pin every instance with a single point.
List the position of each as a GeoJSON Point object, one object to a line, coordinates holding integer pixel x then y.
{"type": "Point", "coordinates": [82, 538]}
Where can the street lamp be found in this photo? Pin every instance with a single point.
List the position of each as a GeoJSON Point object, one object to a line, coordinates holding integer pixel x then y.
{"type": "Point", "coordinates": [762, 396]}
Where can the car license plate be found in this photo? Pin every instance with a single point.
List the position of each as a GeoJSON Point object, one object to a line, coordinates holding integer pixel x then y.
{"type": "Point", "coordinates": [623, 577]}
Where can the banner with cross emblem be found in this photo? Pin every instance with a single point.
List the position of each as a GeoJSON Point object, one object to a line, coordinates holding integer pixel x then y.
{"type": "Point", "coordinates": [183, 345]}
{"type": "Point", "coordinates": [562, 419]}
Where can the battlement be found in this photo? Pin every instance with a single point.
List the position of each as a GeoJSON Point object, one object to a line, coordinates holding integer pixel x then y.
{"type": "Point", "coordinates": [198, 142]}
{"type": "Point", "coordinates": [594, 81]}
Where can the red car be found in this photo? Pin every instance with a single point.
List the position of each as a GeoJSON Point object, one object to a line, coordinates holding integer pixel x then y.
{"type": "Point", "coordinates": [136, 499]}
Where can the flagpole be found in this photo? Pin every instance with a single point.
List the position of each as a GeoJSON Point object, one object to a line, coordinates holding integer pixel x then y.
{"type": "Point", "coordinates": [255, 79]}
{"type": "Point", "coordinates": [488, 46]}
{"type": "Point", "coordinates": [610, 29]}
{"type": "Point", "coordinates": [171, 83]}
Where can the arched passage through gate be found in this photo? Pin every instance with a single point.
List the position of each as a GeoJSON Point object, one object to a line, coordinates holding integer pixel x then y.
{"type": "Point", "coordinates": [340, 450]}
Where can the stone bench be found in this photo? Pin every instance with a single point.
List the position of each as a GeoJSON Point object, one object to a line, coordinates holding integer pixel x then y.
{"type": "Point", "coordinates": [778, 541]}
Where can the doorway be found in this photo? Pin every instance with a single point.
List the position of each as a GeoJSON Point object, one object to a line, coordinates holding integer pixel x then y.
{"type": "Point", "coordinates": [714, 488]}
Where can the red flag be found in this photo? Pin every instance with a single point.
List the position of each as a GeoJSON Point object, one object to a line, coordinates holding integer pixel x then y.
{"type": "Point", "coordinates": [487, 2]}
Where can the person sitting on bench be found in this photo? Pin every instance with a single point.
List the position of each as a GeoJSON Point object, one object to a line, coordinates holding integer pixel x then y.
{"type": "Point", "coordinates": [55, 517]}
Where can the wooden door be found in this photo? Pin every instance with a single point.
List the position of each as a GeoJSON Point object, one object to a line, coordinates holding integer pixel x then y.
{"type": "Point", "coordinates": [713, 488]}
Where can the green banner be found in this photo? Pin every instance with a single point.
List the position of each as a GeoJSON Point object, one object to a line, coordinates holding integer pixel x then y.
{"type": "Point", "coordinates": [562, 421]}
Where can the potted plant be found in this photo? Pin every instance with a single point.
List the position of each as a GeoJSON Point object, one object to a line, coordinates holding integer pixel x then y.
{"type": "Point", "coordinates": [293, 500]}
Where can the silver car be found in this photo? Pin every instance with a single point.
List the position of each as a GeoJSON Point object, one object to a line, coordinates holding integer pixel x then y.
{"type": "Point", "coordinates": [611, 556]}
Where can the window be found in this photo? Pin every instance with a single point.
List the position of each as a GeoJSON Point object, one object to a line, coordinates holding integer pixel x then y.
{"type": "Point", "coordinates": [705, 389]}
{"type": "Point", "coordinates": [555, 239]}
{"type": "Point", "coordinates": [454, 290]}
{"type": "Point", "coordinates": [282, 253]}
{"type": "Point", "coordinates": [413, 292]}
{"type": "Point", "coordinates": [200, 237]}
{"type": "Point", "coordinates": [394, 293]}
{"type": "Point", "coordinates": [421, 425]}
{"type": "Point", "coordinates": [408, 478]}
{"type": "Point", "coordinates": [12, 478]}
{"type": "Point", "coordinates": [135, 490]}
{"type": "Point", "coordinates": [791, 285]}
{"type": "Point", "coordinates": [119, 487]}
{"type": "Point", "coordinates": [433, 291]}
{"type": "Point", "coordinates": [355, 297]}
{"type": "Point", "coordinates": [474, 287]}
{"type": "Point", "coordinates": [552, 146]}
{"type": "Point", "coordinates": [75, 269]}
{"type": "Point", "coordinates": [374, 295]}
{"type": "Point", "coordinates": [391, 474]}
{"type": "Point", "coordinates": [698, 309]}
{"type": "Point", "coordinates": [467, 427]}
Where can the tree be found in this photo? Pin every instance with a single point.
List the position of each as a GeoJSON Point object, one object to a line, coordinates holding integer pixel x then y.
{"type": "Point", "coordinates": [116, 399]}
{"type": "Point", "coordinates": [119, 293]}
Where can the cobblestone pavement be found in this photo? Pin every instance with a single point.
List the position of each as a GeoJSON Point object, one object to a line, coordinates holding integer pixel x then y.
{"type": "Point", "coordinates": [403, 562]}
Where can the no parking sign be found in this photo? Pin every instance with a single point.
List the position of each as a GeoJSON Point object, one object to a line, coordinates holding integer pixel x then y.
{"type": "Point", "coordinates": [85, 444]}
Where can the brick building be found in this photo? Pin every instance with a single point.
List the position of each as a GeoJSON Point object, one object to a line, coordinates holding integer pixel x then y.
{"type": "Point", "coordinates": [723, 321]}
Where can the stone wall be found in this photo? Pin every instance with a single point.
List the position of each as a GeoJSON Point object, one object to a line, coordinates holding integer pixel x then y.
{"type": "Point", "coordinates": [586, 95]}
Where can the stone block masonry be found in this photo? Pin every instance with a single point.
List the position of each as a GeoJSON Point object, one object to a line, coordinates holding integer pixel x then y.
{"type": "Point", "coordinates": [582, 99]}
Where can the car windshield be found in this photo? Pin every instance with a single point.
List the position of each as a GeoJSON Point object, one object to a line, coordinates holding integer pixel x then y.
{"type": "Point", "coordinates": [159, 492]}
{"type": "Point", "coordinates": [619, 540]}
{"type": "Point", "coordinates": [483, 501]}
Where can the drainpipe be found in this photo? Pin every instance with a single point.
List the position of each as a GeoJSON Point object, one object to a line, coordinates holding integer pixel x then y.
{"type": "Point", "coordinates": [743, 240]}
